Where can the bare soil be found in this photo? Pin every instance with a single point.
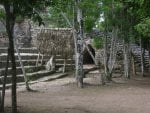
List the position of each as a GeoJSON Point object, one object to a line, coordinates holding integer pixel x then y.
{"type": "Point", "coordinates": [62, 96]}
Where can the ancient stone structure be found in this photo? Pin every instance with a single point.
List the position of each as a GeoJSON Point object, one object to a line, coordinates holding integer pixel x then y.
{"type": "Point", "coordinates": [3, 39]}
{"type": "Point", "coordinates": [2, 27]}
{"type": "Point", "coordinates": [22, 32]}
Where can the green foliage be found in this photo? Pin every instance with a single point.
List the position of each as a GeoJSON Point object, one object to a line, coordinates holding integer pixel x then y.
{"type": "Point", "coordinates": [91, 13]}
{"type": "Point", "coordinates": [100, 25]}
{"type": "Point", "coordinates": [143, 28]}
{"type": "Point", "coordinates": [52, 18]}
{"type": "Point", "coordinates": [90, 9]}
{"type": "Point", "coordinates": [27, 8]}
{"type": "Point", "coordinates": [97, 42]}
{"type": "Point", "coordinates": [89, 23]}
{"type": "Point", "coordinates": [19, 19]}
{"type": "Point", "coordinates": [2, 13]}
{"type": "Point", "coordinates": [125, 15]}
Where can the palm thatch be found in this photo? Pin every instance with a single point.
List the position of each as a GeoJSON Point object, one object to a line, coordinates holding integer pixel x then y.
{"type": "Point", "coordinates": [56, 41]}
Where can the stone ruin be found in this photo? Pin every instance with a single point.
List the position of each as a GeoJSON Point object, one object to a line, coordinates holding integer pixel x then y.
{"type": "Point", "coordinates": [22, 32]}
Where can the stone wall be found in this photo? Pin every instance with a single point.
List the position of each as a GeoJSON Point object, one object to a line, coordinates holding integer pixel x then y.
{"type": "Point", "coordinates": [3, 39]}
{"type": "Point", "coordinates": [23, 33]}
{"type": "Point", "coordinates": [2, 27]}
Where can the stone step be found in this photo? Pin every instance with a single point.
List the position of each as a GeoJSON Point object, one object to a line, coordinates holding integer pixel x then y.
{"type": "Point", "coordinates": [139, 65]}
{"type": "Point", "coordinates": [21, 50]}
{"type": "Point", "coordinates": [26, 56]}
{"type": "Point", "coordinates": [5, 44]}
{"type": "Point", "coordinates": [52, 77]}
{"type": "Point", "coordinates": [68, 66]}
{"type": "Point", "coordinates": [28, 69]}
{"type": "Point", "coordinates": [49, 77]}
{"type": "Point", "coordinates": [31, 69]}
{"type": "Point", "coordinates": [138, 55]}
{"type": "Point", "coordinates": [39, 74]}
{"type": "Point", "coordinates": [61, 61]}
{"type": "Point", "coordinates": [25, 63]}
{"type": "Point", "coordinates": [30, 76]}
{"type": "Point", "coordinates": [20, 78]}
{"type": "Point", "coordinates": [139, 60]}
{"type": "Point", "coordinates": [147, 65]}
{"type": "Point", "coordinates": [32, 73]}
{"type": "Point", "coordinates": [33, 62]}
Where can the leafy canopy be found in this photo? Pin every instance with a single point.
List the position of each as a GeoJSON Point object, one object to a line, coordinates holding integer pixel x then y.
{"type": "Point", "coordinates": [26, 8]}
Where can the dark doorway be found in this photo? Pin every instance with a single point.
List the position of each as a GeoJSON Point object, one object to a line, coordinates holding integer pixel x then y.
{"type": "Point", "coordinates": [87, 59]}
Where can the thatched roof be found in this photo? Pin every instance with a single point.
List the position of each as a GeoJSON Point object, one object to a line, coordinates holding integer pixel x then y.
{"type": "Point", "coordinates": [56, 41]}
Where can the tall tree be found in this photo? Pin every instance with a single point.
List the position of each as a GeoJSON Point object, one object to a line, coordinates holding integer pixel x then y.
{"type": "Point", "coordinates": [79, 54]}
{"type": "Point", "coordinates": [127, 15]}
{"type": "Point", "coordinates": [13, 9]}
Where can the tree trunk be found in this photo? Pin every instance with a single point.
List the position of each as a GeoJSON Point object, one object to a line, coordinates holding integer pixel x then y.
{"type": "Point", "coordinates": [133, 65]}
{"type": "Point", "coordinates": [126, 60]}
{"type": "Point", "coordinates": [79, 53]}
{"type": "Point", "coordinates": [10, 21]}
{"type": "Point", "coordinates": [142, 58]}
{"type": "Point", "coordinates": [78, 66]}
{"type": "Point", "coordinates": [113, 53]}
{"type": "Point", "coordinates": [114, 46]}
{"type": "Point", "coordinates": [21, 63]}
{"type": "Point", "coordinates": [1, 110]}
{"type": "Point", "coordinates": [105, 61]}
{"type": "Point", "coordinates": [64, 66]}
{"type": "Point", "coordinates": [149, 55]}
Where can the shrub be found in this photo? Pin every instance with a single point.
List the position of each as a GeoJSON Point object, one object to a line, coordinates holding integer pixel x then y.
{"type": "Point", "coordinates": [97, 42]}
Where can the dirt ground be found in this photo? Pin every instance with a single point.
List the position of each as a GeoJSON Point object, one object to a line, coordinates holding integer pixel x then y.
{"type": "Point", "coordinates": [62, 96]}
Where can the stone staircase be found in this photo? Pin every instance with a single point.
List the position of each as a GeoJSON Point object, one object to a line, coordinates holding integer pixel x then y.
{"type": "Point", "coordinates": [29, 58]}
{"type": "Point", "coordinates": [136, 50]}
